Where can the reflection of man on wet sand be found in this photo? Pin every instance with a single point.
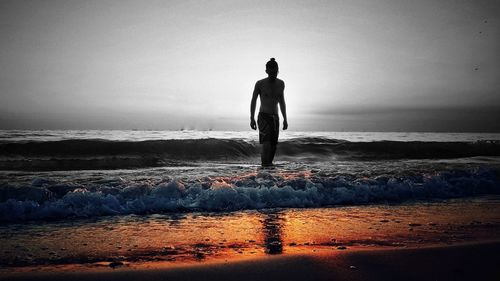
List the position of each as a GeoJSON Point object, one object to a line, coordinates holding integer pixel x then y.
{"type": "Point", "coordinates": [270, 90]}
{"type": "Point", "coordinates": [272, 228]}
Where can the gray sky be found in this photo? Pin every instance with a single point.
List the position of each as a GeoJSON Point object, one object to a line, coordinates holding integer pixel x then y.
{"type": "Point", "coordinates": [348, 65]}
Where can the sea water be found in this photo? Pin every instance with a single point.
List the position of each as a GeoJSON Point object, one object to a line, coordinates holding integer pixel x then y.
{"type": "Point", "coordinates": [97, 181]}
{"type": "Point", "coordinates": [66, 174]}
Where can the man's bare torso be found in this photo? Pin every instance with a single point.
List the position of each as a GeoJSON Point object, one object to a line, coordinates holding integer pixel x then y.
{"type": "Point", "coordinates": [270, 92]}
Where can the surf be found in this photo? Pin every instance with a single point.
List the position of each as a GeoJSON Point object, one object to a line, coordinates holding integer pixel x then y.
{"type": "Point", "coordinates": [108, 154]}
{"type": "Point", "coordinates": [46, 199]}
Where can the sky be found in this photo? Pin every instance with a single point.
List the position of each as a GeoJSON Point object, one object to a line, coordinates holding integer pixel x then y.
{"type": "Point", "coordinates": [347, 65]}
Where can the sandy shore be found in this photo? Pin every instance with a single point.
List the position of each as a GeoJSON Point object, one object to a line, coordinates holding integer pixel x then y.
{"type": "Point", "coordinates": [473, 261]}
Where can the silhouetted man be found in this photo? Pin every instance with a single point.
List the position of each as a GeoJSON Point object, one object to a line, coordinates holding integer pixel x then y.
{"type": "Point", "coordinates": [270, 90]}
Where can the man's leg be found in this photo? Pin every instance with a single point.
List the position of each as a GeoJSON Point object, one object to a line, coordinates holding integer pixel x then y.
{"type": "Point", "coordinates": [273, 152]}
{"type": "Point", "coordinates": [266, 155]}
{"type": "Point", "coordinates": [274, 138]}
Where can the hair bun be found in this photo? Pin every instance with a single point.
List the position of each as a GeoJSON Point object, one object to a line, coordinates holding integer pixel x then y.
{"type": "Point", "coordinates": [271, 64]}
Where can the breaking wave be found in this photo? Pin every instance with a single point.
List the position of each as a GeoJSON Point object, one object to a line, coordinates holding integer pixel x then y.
{"type": "Point", "coordinates": [46, 199]}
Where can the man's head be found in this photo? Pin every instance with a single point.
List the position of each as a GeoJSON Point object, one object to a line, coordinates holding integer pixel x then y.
{"type": "Point", "coordinates": [272, 68]}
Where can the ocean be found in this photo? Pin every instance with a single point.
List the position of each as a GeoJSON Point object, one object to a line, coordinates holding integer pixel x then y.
{"type": "Point", "coordinates": [67, 174]}
{"type": "Point", "coordinates": [71, 197]}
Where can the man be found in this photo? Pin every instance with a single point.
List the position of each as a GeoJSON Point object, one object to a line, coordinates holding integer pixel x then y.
{"type": "Point", "coordinates": [270, 90]}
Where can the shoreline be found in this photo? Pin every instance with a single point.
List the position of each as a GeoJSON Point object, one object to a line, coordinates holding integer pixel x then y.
{"type": "Point", "coordinates": [465, 261]}
{"type": "Point", "coordinates": [322, 241]}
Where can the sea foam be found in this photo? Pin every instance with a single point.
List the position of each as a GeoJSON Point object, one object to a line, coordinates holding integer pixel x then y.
{"type": "Point", "coordinates": [46, 199]}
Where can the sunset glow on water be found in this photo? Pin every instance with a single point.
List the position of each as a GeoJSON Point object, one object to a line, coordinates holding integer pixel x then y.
{"type": "Point", "coordinates": [71, 202]}
{"type": "Point", "coordinates": [176, 239]}
{"type": "Point", "coordinates": [249, 140]}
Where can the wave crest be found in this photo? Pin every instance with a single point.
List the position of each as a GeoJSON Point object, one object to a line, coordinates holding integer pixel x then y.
{"type": "Point", "coordinates": [255, 191]}
{"type": "Point", "coordinates": [104, 154]}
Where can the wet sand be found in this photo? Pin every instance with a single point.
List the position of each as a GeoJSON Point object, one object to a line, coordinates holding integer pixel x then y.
{"type": "Point", "coordinates": [471, 261]}
{"type": "Point", "coordinates": [456, 239]}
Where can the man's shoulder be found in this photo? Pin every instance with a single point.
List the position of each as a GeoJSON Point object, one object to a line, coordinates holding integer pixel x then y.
{"type": "Point", "coordinates": [264, 80]}
{"type": "Point", "coordinates": [259, 82]}
{"type": "Point", "coordinates": [281, 83]}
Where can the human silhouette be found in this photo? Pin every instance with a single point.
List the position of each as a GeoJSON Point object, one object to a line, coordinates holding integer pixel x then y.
{"type": "Point", "coordinates": [271, 92]}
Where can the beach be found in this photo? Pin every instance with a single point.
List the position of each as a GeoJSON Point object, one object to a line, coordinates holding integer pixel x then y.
{"type": "Point", "coordinates": [478, 261]}
{"type": "Point", "coordinates": [249, 140]}
{"type": "Point", "coordinates": [411, 241]}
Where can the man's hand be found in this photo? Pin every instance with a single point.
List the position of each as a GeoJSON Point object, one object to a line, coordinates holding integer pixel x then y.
{"type": "Point", "coordinates": [285, 125]}
{"type": "Point", "coordinates": [253, 124]}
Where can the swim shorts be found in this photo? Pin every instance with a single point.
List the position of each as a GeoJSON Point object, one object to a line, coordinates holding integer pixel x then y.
{"type": "Point", "coordinates": [268, 127]}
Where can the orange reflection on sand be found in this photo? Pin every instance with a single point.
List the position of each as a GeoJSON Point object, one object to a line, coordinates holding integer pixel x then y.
{"type": "Point", "coordinates": [179, 239]}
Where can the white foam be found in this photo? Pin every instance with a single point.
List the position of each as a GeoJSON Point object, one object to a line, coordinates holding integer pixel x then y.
{"type": "Point", "coordinates": [252, 192]}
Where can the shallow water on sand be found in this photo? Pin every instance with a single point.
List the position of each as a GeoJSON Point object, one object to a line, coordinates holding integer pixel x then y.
{"type": "Point", "coordinates": [134, 241]}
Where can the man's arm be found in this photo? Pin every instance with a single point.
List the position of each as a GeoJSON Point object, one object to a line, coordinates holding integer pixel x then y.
{"type": "Point", "coordinates": [283, 108]}
{"type": "Point", "coordinates": [253, 104]}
